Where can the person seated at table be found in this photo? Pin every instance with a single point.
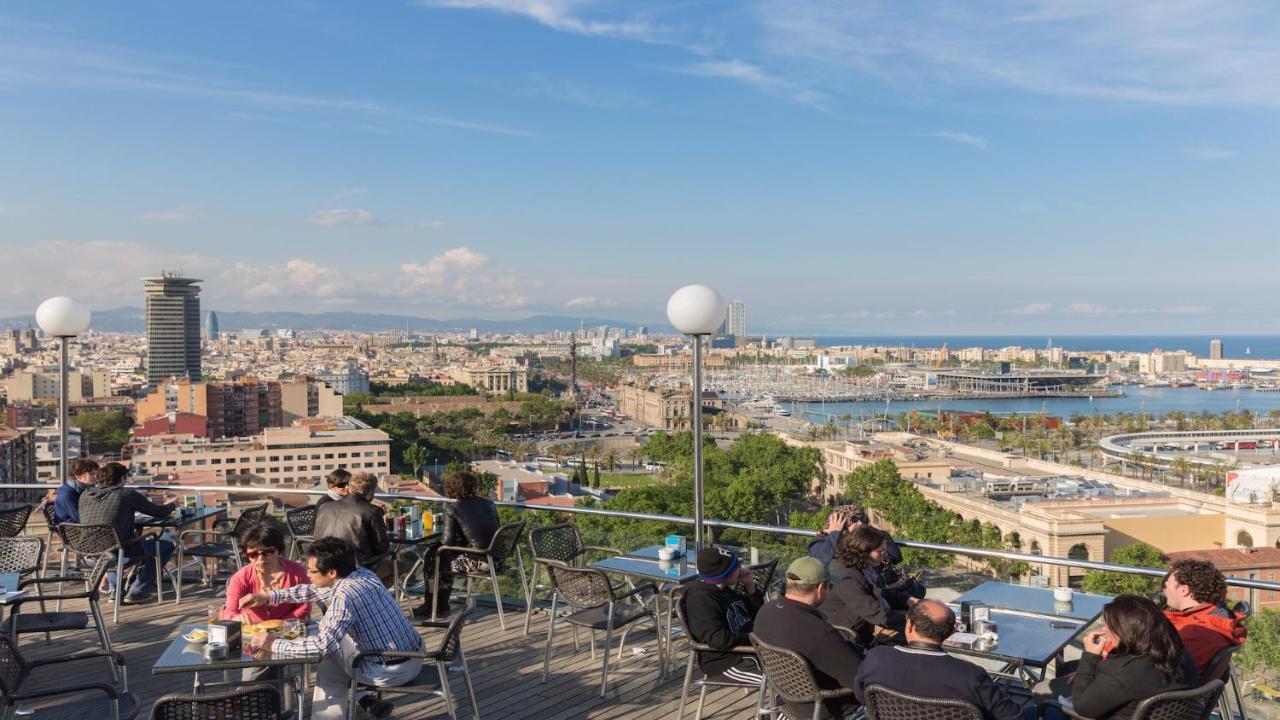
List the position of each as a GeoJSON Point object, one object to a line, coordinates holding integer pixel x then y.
{"type": "Point", "coordinates": [847, 519]}
{"type": "Point", "coordinates": [267, 570]}
{"type": "Point", "coordinates": [857, 597]}
{"type": "Point", "coordinates": [1195, 594]}
{"type": "Point", "coordinates": [1135, 655]}
{"type": "Point", "coordinates": [66, 504]}
{"type": "Point", "coordinates": [469, 522]}
{"type": "Point", "coordinates": [110, 502]}
{"type": "Point", "coordinates": [357, 520]}
{"type": "Point", "coordinates": [721, 616]}
{"type": "Point", "coordinates": [362, 617]}
{"type": "Point", "coordinates": [923, 669]}
{"type": "Point", "coordinates": [339, 487]}
{"type": "Point", "coordinates": [794, 622]}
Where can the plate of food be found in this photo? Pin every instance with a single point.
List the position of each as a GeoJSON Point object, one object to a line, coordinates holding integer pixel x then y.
{"type": "Point", "coordinates": [197, 636]}
{"type": "Point", "coordinates": [271, 627]}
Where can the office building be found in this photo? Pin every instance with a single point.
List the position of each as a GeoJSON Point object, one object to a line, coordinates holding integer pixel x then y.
{"type": "Point", "coordinates": [211, 325]}
{"type": "Point", "coordinates": [1215, 349]}
{"type": "Point", "coordinates": [736, 320]}
{"type": "Point", "coordinates": [173, 327]}
{"type": "Point", "coordinates": [347, 381]}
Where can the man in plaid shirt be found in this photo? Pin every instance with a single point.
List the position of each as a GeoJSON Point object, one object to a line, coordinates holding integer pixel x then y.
{"type": "Point", "coordinates": [362, 617]}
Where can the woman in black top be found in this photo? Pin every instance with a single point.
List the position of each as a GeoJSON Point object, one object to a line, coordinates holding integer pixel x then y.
{"type": "Point", "coordinates": [1136, 654]}
{"type": "Point", "coordinates": [856, 600]}
{"type": "Point", "coordinates": [469, 522]}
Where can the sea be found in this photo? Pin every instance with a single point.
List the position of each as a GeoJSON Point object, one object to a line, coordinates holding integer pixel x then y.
{"type": "Point", "coordinates": [1260, 347]}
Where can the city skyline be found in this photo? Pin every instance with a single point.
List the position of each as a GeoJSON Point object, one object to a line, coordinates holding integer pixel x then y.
{"type": "Point", "coordinates": [843, 168]}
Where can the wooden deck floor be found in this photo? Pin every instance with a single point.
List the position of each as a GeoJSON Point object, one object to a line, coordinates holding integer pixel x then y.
{"type": "Point", "coordinates": [505, 665]}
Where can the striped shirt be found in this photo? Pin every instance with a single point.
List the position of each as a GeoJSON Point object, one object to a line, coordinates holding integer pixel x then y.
{"type": "Point", "coordinates": [359, 606]}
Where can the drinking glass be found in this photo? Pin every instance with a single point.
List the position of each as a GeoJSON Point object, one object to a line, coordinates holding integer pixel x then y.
{"type": "Point", "coordinates": [214, 612]}
{"type": "Point", "coordinates": [294, 628]}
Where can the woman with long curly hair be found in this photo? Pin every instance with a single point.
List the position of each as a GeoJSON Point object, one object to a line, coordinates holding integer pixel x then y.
{"type": "Point", "coordinates": [856, 600]}
{"type": "Point", "coordinates": [1135, 655]}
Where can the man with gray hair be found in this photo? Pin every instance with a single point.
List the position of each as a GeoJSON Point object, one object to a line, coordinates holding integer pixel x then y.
{"type": "Point", "coordinates": [357, 520]}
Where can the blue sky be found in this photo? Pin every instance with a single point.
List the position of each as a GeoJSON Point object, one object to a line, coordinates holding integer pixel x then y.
{"type": "Point", "coordinates": [843, 167]}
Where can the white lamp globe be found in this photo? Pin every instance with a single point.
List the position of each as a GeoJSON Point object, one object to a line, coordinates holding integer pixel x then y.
{"type": "Point", "coordinates": [62, 317]}
{"type": "Point", "coordinates": [696, 310]}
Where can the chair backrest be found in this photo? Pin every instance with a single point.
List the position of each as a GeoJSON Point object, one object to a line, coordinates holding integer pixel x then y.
{"type": "Point", "coordinates": [13, 669]}
{"type": "Point", "coordinates": [694, 643]}
{"type": "Point", "coordinates": [886, 704]}
{"type": "Point", "coordinates": [1192, 704]}
{"type": "Point", "coordinates": [89, 539]}
{"type": "Point", "coordinates": [249, 517]}
{"type": "Point", "coordinates": [50, 516]}
{"type": "Point", "coordinates": [1220, 665]}
{"type": "Point", "coordinates": [788, 672]}
{"type": "Point", "coordinates": [451, 643]}
{"type": "Point", "coordinates": [14, 520]}
{"type": "Point", "coordinates": [301, 521]}
{"type": "Point", "coordinates": [763, 574]}
{"type": "Point", "coordinates": [254, 702]}
{"type": "Point", "coordinates": [21, 554]}
{"type": "Point", "coordinates": [504, 541]}
{"type": "Point", "coordinates": [580, 587]}
{"type": "Point", "coordinates": [561, 541]}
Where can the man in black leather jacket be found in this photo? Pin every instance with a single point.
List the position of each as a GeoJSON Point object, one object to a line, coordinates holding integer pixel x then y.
{"type": "Point", "coordinates": [469, 522]}
{"type": "Point", "coordinates": [357, 520]}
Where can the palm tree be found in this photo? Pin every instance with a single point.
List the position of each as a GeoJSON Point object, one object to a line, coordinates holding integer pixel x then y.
{"type": "Point", "coordinates": [1183, 467]}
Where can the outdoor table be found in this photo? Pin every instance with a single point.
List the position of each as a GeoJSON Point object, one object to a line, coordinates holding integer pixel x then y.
{"type": "Point", "coordinates": [183, 657]}
{"type": "Point", "coordinates": [644, 563]}
{"type": "Point", "coordinates": [180, 522]}
{"type": "Point", "coordinates": [10, 581]}
{"type": "Point", "coordinates": [418, 545]}
{"type": "Point", "coordinates": [1032, 628]}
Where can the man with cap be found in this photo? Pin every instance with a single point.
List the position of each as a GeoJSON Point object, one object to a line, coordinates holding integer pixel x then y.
{"type": "Point", "coordinates": [793, 622]}
{"type": "Point", "coordinates": [721, 616]}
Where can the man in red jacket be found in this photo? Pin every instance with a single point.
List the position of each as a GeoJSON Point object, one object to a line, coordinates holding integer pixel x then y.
{"type": "Point", "coordinates": [1196, 593]}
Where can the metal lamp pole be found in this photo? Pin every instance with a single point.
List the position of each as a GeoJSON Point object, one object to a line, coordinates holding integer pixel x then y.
{"type": "Point", "coordinates": [63, 318]}
{"type": "Point", "coordinates": [697, 441]}
{"type": "Point", "coordinates": [63, 342]}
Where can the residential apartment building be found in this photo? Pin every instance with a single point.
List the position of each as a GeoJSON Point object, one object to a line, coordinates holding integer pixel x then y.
{"type": "Point", "coordinates": [242, 408]}
{"type": "Point", "coordinates": [18, 463]}
{"type": "Point", "coordinates": [299, 455]}
{"type": "Point", "coordinates": [29, 385]}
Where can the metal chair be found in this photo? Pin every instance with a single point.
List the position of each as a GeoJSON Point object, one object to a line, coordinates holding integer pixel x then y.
{"type": "Point", "coordinates": [21, 555]}
{"type": "Point", "coordinates": [792, 677]}
{"type": "Point", "coordinates": [886, 704]}
{"type": "Point", "coordinates": [225, 544]}
{"type": "Point", "coordinates": [1220, 668]}
{"type": "Point", "coordinates": [249, 702]}
{"type": "Point", "coordinates": [92, 541]}
{"type": "Point", "coordinates": [598, 606]}
{"type": "Point", "coordinates": [1191, 704]}
{"type": "Point", "coordinates": [561, 542]}
{"type": "Point", "coordinates": [51, 523]}
{"type": "Point", "coordinates": [504, 543]}
{"type": "Point", "coordinates": [696, 647]}
{"type": "Point", "coordinates": [116, 703]}
{"type": "Point", "coordinates": [19, 622]}
{"type": "Point", "coordinates": [763, 574]}
{"type": "Point", "coordinates": [301, 522]}
{"type": "Point", "coordinates": [434, 677]}
{"type": "Point", "coordinates": [14, 520]}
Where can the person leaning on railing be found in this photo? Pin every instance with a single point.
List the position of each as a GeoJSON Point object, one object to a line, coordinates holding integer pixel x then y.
{"type": "Point", "coordinates": [1195, 595]}
{"type": "Point", "coordinates": [857, 598]}
{"type": "Point", "coordinates": [922, 668]}
{"type": "Point", "coordinates": [722, 617]}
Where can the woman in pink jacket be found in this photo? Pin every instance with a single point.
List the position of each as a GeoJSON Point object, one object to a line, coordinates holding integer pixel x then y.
{"type": "Point", "coordinates": [267, 570]}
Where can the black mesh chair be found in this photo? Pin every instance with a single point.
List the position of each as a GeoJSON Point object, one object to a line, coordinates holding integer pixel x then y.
{"type": "Point", "coordinates": [22, 555]}
{"type": "Point", "coordinates": [51, 526]}
{"type": "Point", "coordinates": [250, 702]}
{"type": "Point", "coordinates": [792, 677]}
{"type": "Point", "coordinates": [91, 542]}
{"type": "Point", "coordinates": [220, 543]}
{"type": "Point", "coordinates": [86, 537]}
{"type": "Point", "coordinates": [115, 703]}
{"type": "Point", "coordinates": [597, 605]}
{"type": "Point", "coordinates": [561, 542]}
{"type": "Point", "coordinates": [1220, 668]}
{"type": "Point", "coordinates": [1191, 704]}
{"type": "Point", "coordinates": [696, 647]}
{"type": "Point", "coordinates": [434, 677]}
{"type": "Point", "coordinates": [763, 575]}
{"type": "Point", "coordinates": [14, 520]}
{"type": "Point", "coordinates": [504, 543]}
{"type": "Point", "coordinates": [886, 704]}
{"type": "Point", "coordinates": [301, 522]}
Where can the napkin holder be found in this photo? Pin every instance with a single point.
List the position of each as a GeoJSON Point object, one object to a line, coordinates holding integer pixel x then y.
{"type": "Point", "coordinates": [226, 632]}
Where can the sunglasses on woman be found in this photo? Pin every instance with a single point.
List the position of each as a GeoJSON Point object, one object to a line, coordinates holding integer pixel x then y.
{"type": "Point", "coordinates": [259, 553]}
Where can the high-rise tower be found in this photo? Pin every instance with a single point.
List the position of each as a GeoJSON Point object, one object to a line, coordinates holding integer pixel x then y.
{"type": "Point", "coordinates": [736, 319]}
{"type": "Point", "coordinates": [173, 327]}
{"type": "Point", "coordinates": [1215, 349]}
{"type": "Point", "coordinates": [211, 325]}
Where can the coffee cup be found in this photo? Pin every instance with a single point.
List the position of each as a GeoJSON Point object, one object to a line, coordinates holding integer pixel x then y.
{"type": "Point", "coordinates": [1062, 594]}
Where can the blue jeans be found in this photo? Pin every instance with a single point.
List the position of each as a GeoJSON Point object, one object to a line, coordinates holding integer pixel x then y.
{"type": "Point", "coordinates": [144, 580]}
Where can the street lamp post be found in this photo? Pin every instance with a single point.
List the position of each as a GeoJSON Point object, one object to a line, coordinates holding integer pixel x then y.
{"type": "Point", "coordinates": [63, 318]}
{"type": "Point", "coordinates": [696, 310]}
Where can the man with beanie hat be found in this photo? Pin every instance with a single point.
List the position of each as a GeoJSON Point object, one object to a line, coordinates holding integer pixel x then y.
{"type": "Point", "coordinates": [721, 616]}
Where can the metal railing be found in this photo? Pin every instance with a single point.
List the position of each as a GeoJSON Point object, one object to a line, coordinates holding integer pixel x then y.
{"type": "Point", "coordinates": [681, 520]}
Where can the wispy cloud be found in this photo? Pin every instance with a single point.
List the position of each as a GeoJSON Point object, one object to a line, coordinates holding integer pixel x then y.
{"type": "Point", "coordinates": [432, 225]}
{"type": "Point", "coordinates": [1031, 309]}
{"type": "Point", "coordinates": [963, 138]}
{"type": "Point", "coordinates": [562, 15]}
{"type": "Point", "coordinates": [1211, 153]}
{"type": "Point", "coordinates": [1169, 52]}
{"type": "Point", "coordinates": [758, 78]}
{"type": "Point", "coordinates": [568, 91]}
{"type": "Point", "coordinates": [442, 121]}
{"type": "Point", "coordinates": [182, 213]}
{"type": "Point", "coordinates": [344, 216]}
{"type": "Point", "coordinates": [589, 301]}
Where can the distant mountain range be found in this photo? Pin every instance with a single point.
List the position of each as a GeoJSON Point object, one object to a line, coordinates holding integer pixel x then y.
{"type": "Point", "coordinates": [131, 319]}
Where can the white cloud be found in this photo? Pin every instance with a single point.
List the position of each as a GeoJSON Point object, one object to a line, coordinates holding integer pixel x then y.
{"type": "Point", "coordinates": [561, 15]}
{"type": "Point", "coordinates": [963, 138]}
{"type": "Point", "coordinates": [1170, 52]}
{"type": "Point", "coordinates": [1188, 310]}
{"type": "Point", "coordinates": [1032, 309]}
{"type": "Point", "coordinates": [432, 225]}
{"type": "Point", "coordinates": [578, 94]}
{"type": "Point", "coordinates": [343, 216]}
{"type": "Point", "coordinates": [461, 277]}
{"type": "Point", "coordinates": [758, 78]}
{"type": "Point", "coordinates": [590, 301]}
{"type": "Point", "coordinates": [1081, 308]}
{"type": "Point", "coordinates": [182, 213]}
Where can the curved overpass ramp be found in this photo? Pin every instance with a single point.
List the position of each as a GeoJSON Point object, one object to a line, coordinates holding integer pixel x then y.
{"type": "Point", "coordinates": [1120, 447]}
